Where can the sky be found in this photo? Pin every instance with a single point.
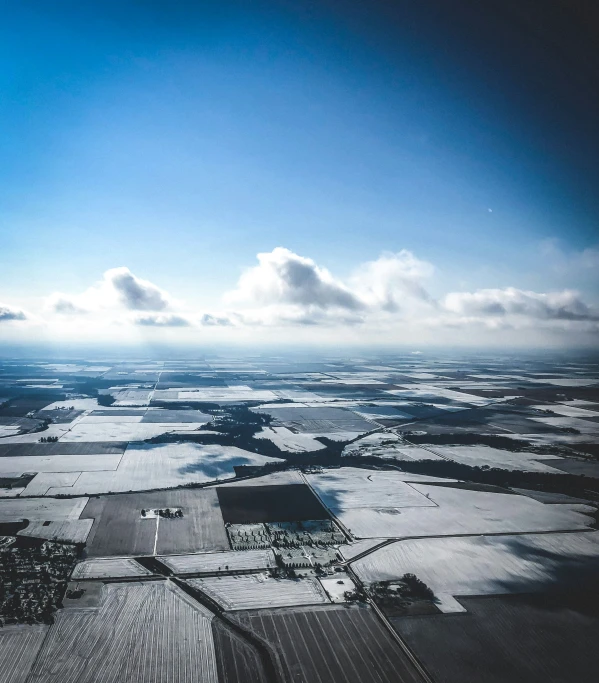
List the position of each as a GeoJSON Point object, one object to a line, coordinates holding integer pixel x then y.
{"type": "Point", "coordinates": [306, 172]}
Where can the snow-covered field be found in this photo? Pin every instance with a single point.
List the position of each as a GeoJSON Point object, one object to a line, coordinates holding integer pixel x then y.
{"type": "Point", "coordinates": [350, 488]}
{"type": "Point", "coordinates": [155, 466]}
{"type": "Point", "coordinates": [477, 456]}
{"type": "Point", "coordinates": [461, 511]}
{"type": "Point", "coordinates": [287, 440]}
{"type": "Point", "coordinates": [483, 565]}
{"type": "Point", "coordinates": [206, 563]}
{"type": "Point", "coordinates": [67, 531]}
{"type": "Point", "coordinates": [336, 586]}
{"type": "Point", "coordinates": [106, 568]}
{"type": "Point", "coordinates": [42, 508]}
{"type": "Point", "coordinates": [256, 591]}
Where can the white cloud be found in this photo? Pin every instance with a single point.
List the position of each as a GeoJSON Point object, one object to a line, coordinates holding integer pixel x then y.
{"type": "Point", "coordinates": [10, 313]}
{"type": "Point", "coordinates": [288, 289]}
{"type": "Point", "coordinates": [565, 305]}
{"type": "Point", "coordinates": [294, 299]}
{"type": "Point", "coordinates": [282, 277]}
{"type": "Point", "coordinates": [134, 293]}
{"type": "Point", "coordinates": [119, 288]}
{"type": "Point", "coordinates": [392, 280]}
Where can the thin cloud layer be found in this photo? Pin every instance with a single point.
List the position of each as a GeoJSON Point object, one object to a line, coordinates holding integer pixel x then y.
{"type": "Point", "coordinates": [566, 305]}
{"type": "Point", "coordinates": [162, 320]}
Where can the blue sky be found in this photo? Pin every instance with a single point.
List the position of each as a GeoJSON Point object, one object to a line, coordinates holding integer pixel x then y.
{"type": "Point", "coordinates": [182, 142]}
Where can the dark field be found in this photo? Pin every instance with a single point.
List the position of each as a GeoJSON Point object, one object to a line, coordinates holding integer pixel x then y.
{"type": "Point", "coordinates": [19, 407]}
{"type": "Point", "coordinates": [119, 528]}
{"type": "Point", "coordinates": [237, 660]}
{"type": "Point", "coordinates": [294, 502]}
{"type": "Point", "coordinates": [511, 639]}
{"type": "Point", "coordinates": [59, 416]}
{"type": "Point", "coordinates": [587, 468]}
{"type": "Point", "coordinates": [188, 416]}
{"type": "Point", "coordinates": [331, 645]}
{"type": "Point", "coordinates": [64, 448]}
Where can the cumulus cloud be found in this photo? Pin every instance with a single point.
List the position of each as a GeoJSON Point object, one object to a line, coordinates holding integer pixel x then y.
{"type": "Point", "coordinates": [286, 288]}
{"type": "Point", "coordinates": [393, 279]}
{"type": "Point", "coordinates": [10, 313]}
{"type": "Point", "coordinates": [282, 277]}
{"type": "Point", "coordinates": [119, 288]}
{"type": "Point", "coordinates": [134, 293]}
{"type": "Point", "coordinates": [386, 299]}
{"type": "Point", "coordinates": [162, 320]}
{"type": "Point", "coordinates": [565, 305]}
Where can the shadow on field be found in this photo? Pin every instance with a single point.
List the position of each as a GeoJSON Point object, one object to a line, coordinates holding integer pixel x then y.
{"type": "Point", "coordinates": [570, 581]}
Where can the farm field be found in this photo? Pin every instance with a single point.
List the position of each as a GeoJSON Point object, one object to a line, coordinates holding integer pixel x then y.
{"type": "Point", "coordinates": [43, 509]}
{"type": "Point", "coordinates": [287, 440]}
{"type": "Point", "coordinates": [157, 466]}
{"type": "Point", "coordinates": [159, 486]}
{"type": "Point", "coordinates": [507, 639]}
{"type": "Point", "coordinates": [208, 563]}
{"type": "Point", "coordinates": [68, 531]}
{"type": "Point", "coordinates": [291, 503]}
{"type": "Point", "coordinates": [108, 568]}
{"type": "Point", "coordinates": [19, 646]}
{"type": "Point", "coordinates": [237, 660]}
{"type": "Point", "coordinates": [462, 511]}
{"type": "Point", "coordinates": [119, 528]}
{"type": "Point", "coordinates": [494, 457]}
{"type": "Point", "coordinates": [140, 632]}
{"type": "Point", "coordinates": [334, 423]}
{"type": "Point", "coordinates": [260, 590]}
{"type": "Point", "coordinates": [16, 450]}
{"type": "Point", "coordinates": [488, 565]}
{"type": "Point", "coordinates": [319, 645]}
{"type": "Point", "coordinates": [352, 488]}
